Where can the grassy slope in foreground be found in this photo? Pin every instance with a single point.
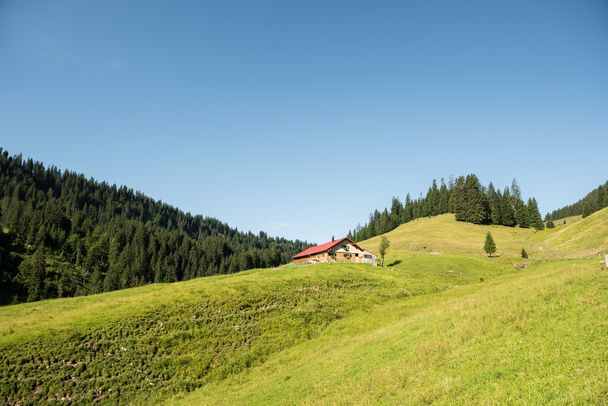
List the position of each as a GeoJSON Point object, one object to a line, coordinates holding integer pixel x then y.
{"type": "Point", "coordinates": [528, 337]}
{"type": "Point", "coordinates": [443, 234]}
{"type": "Point", "coordinates": [149, 343]}
{"type": "Point", "coordinates": [451, 327]}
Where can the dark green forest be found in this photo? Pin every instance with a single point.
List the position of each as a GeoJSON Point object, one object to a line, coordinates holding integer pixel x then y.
{"type": "Point", "coordinates": [63, 234]}
{"type": "Point", "coordinates": [464, 196]}
{"type": "Point", "coordinates": [595, 200]}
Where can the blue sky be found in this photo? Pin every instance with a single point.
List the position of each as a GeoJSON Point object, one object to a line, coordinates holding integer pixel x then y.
{"type": "Point", "coordinates": [299, 118]}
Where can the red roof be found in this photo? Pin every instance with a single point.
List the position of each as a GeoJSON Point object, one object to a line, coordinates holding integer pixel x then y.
{"type": "Point", "coordinates": [323, 247]}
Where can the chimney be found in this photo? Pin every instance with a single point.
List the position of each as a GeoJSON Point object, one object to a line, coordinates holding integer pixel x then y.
{"type": "Point", "coordinates": [332, 238]}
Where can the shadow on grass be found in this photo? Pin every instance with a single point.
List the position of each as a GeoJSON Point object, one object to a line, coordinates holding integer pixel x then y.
{"type": "Point", "coordinates": [394, 263]}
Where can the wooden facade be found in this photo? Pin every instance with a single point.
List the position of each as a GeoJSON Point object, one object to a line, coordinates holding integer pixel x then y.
{"type": "Point", "coordinates": [343, 250]}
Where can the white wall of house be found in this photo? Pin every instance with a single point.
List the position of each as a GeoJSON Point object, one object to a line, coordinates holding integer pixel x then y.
{"type": "Point", "coordinates": [343, 252]}
{"type": "Point", "coordinates": [369, 258]}
{"type": "Point", "coordinates": [355, 254]}
{"type": "Point", "coordinates": [348, 247]}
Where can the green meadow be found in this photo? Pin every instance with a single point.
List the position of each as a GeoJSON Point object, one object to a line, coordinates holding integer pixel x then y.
{"type": "Point", "coordinates": [442, 324]}
{"type": "Point", "coordinates": [442, 234]}
{"type": "Point", "coordinates": [526, 338]}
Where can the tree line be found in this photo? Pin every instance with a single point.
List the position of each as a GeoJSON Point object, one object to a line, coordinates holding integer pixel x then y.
{"type": "Point", "coordinates": [595, 200]}
{"type": "Point", "coordinates": [62, 234]}
{"type": "Point", "coordinates": [464, 196]}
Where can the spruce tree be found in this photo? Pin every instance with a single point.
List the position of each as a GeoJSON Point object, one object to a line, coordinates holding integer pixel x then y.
{"type": "Point", "coordinates": [477, 207]}
{"type": "Point", "coordinates": [407, 209]}
{"type": "Point", "coordinates": [489, 246]}
{"type": "Point", "coordinates": [521, 213]}
{"type": "Point", "coordinates": [524, 254]}
{"type": "Point", "coordinates": [587, 208]}
{"type": "Point", "coordinates": [431, 201]}
{"type": "Point", "coordinates": [515, 190]}
{"type": "Point", "coordinates": [494, 199]}
{"type": "Point", "coordinates": [444, 197]}
{"type": "Point", "coordinates": [507, 213]}
{"type": "Point", "coordinates": [534, 218]}
{"type": "Point", "coordinates": [458, 199]}
{"type": "Point", "coordinates": [36, 275]}
{"type": "Point", "coordinates": [601, 198]}
{"type": "Point", "coordinates": [395, 214]}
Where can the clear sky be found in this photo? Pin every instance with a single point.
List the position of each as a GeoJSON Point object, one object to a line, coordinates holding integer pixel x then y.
{"type": "Point", "coordinates": [300, 117]}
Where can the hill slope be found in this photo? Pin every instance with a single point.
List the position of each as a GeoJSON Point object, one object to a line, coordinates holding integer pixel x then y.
{"type": "Point", "coordinates": [62, 234]}
{"type": "Point", "coordinates": [536, 337]}
{"type": "Point", "coordinates": [580, 238]}
{"type": "Point", "coordinates": [151, 342]}
{"type": "Point", "coordinates": [457, 327]}
{"type": "Point", "coordinates": [443, 234]}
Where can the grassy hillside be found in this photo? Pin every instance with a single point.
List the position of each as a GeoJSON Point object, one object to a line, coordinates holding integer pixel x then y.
{"type": "Point", "coordinates": [429, 328]}
{"type": "Point", "coordinates": [527, 337]}
{"type": "Point", "coordinates": [443, 234]}
{"type": "Point", "coordinates": [148, 343]}
{"type": "Point", "coordinates": [579, 238]}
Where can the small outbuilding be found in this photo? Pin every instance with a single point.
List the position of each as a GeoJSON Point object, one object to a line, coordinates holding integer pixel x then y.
{"type": "Point", "coordinates": [340, 250]}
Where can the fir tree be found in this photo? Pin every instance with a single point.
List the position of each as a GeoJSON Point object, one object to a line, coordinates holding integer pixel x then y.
{"type": "Point", "coordinates": [495, 200]}
{"type": "Point", "coordinates": [103, 235]}
{"type": "Point", "coordinates": [489, 246]}
{"type": "Point", "coordinates": [444, 198]}
{"type": "Point", "coordinates": [519, 207]}
{"type": "Point", "coordinates": [33, 273]}
{"type": "Point", "coordinates": [395, 214]}
{"type": "Point", "coordinates": [433, 200]}
{"type": "Point", "coordinates": [515, 190]}
{"type": "Point", "coordinates": [521, 213]}
{"type": "Point", "coordinates": [477, 208]}
{"type": "Point", "coordinates": [407, 209]}
{"type": "Point", "coordinates": [524, 254]}
{"type": "Point", "coordinates": [458, 199]}
{"type": "Point", "coordinates": [507, 213]}
{"type": "Point", "coordinates": [587, 208]}
{"type": "Point", "coordinates": [534, 219]}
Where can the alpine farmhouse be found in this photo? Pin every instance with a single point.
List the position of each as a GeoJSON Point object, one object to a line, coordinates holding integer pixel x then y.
{"type": "Point", "coordinates": [341, 250]}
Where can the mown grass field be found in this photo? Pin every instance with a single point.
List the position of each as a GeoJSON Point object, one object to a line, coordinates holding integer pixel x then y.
{"type": "Point", "coordinates": [431, 328]}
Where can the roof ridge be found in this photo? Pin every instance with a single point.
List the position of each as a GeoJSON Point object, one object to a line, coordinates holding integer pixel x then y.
{"type": "Point", "coordinates": [322, 247]}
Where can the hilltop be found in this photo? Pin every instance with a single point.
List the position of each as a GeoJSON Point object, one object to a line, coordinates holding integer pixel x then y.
{"type": "Point", "coordinates": [450, 327]}
{"type": "Point", "coordinates": [578, 237]}
{"type": "Point", "coordinates": [466, 198]}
